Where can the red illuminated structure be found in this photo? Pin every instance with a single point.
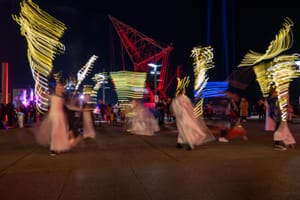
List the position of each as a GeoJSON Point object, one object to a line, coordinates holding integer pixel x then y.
{"type": "Point", "coordinates": [4, 98]}
{"type": "Point", "coordinates": [143, 50]}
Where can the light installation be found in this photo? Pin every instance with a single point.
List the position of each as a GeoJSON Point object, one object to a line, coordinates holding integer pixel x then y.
{"type": "Point", "coordinates": [202, 62]}
{"type": "Point", "coordinates": [274, 70]}
{"type": "Point", "coordinates": [85, 70]}
{"type": "Point", "coordinates": [266, 66]}
{"type": "Point", "coordinates": [129, 85]}
{"type": "Point", "coordinates": [42, 33]}
{"type": "Point", "coordinates": [26, 99]}
{"type": "Point", "coordinates": [261, 72]}
{"type": "Point", "coordinates": [215, 89]}
{"type": "Point", "coordinates": [142, 50]}
{"type": "Point", "coordinates": [282, 42]}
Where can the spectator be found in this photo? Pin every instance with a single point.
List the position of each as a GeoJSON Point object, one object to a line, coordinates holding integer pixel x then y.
{"type": "Point", "coordinates": [168, 110]}
{"type": "Point", "coordinates": [261, 110]}
{"type": "Point", "coordinates": [244, 106]}
{"type": "Point", "coordinates": [160, 106]}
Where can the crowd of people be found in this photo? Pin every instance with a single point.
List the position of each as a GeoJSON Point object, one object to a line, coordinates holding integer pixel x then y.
{"type": "Point", "coordinates": [13, 116]}
{"type": "Point", "coordinates": [69, 120]}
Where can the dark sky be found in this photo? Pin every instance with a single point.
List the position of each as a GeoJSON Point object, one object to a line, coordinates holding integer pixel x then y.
{"type": "Point", "coordinates": [249, 25]}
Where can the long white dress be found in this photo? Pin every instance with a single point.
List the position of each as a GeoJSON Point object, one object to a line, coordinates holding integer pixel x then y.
{"type": "Point", "coordinates": [143, 121]}
{"type": "Point", "coordinates": [54, 128]}
{"type": "Point", "coordinates": [88, 125]}
{"type": "Point", "coordinates": [269, 122]}
{"type": "Point", "coordinates": [192, 130]}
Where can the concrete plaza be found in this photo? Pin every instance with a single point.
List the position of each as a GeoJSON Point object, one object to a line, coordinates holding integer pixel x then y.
{"type": "Point", "coordinates": [121, 166]}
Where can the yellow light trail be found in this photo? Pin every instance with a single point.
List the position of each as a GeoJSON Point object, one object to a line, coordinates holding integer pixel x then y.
{"type": "Point", "coordinates": [129, 84]}
{"type": "Point", "coordinates": [282, 73]}
{"type": "Point", "coordinates": [282, 42]}
{"type": "Point", "coordinates": [42, 33]}
{"type": "Point", "coordinates": [202, 62]}
{"type": "Point", "coordinates": [273, 69]}
{"type": "Point", "coordinates": [182, 83]}
{"type": "Point", "coordinates": [85, 70]}
{"type": "Point", "coordinates": [262, 77]}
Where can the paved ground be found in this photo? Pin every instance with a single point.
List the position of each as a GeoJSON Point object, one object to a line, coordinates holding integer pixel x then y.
{"type": "Point", "coordinates": [122, 166]}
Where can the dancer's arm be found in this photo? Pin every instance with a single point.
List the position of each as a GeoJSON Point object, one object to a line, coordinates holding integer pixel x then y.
{"type": "Point", "coordinates": [74, 108]}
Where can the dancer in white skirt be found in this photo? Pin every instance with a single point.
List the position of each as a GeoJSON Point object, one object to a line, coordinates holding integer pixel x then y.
{"type": "Point", "coordinates": [54, 129]}
{"type": "Point", "coordinates": [143, 121]}
{"type": "Point", "coordinates": [88, 122]}
{"type": "Point", "coordinates": [191, 130]}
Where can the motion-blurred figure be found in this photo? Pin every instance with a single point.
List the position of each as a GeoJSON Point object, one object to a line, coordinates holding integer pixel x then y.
{"type": "Point", "coordinates": [54, 129]}
{"type": "Point", "coordinates": [191, 130]}
{"type": "Point", "coordinates": [142, 121]}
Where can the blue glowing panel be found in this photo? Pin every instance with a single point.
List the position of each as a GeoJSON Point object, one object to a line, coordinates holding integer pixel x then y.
{"type": "Point", "coordinates": [215, 89]}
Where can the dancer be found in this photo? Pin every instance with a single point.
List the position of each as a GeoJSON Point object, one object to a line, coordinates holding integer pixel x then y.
{"type": "Point", "coordinates": [168, 110]}
{"type": "Point", "coordinates": [54, 129]}
{"type": "Point", "coordinates": [236, 130]}
{"type": "Point", "coordinates": [88, 121]}
{"type": "Point", "coordinates": [191, 130]}
{"type": "Point", "coordinates": [244, 106]}
{"type": "Point", "coordinates": [74, 113]}
{"type": "Point", "coordinates": [160, 106]}
{"type": "Point", "coordinates": [143, 121]}
{"type": "Point", "coordinates": [282, 136]}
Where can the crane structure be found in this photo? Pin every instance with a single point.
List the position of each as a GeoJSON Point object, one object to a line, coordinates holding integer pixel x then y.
{"type": "Point", "coordinates": [143, 50]}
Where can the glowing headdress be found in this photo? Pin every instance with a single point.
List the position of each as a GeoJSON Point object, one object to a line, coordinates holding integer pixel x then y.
{"type": "Point", "coordinates": [182, 83]}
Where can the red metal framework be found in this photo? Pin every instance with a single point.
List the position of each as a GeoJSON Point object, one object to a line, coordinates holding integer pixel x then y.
{"type": "Point", "coordinates": [143, 50]}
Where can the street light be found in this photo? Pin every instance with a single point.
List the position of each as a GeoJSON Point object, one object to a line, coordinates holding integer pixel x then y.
{"type": "Point", "coordinates": [155, 72]}
{"type": "Point", "coordinates": [103, 84]}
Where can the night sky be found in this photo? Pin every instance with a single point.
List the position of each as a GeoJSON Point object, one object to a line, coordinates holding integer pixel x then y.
{"type": "Point", "coordinates": [249, 25]}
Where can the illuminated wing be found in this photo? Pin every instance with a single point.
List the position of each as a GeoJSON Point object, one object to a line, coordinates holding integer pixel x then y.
{"type": "Point", "coordinates": [85, 70]}
{"type": "Point", "coordinates": [42, 33]}
{"type": "Point", "coordinates": [282, 42]}
{"type": "Point", "coordinates": [202, 61]}
{"type": "Point", "coordinates": [262, 77]}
